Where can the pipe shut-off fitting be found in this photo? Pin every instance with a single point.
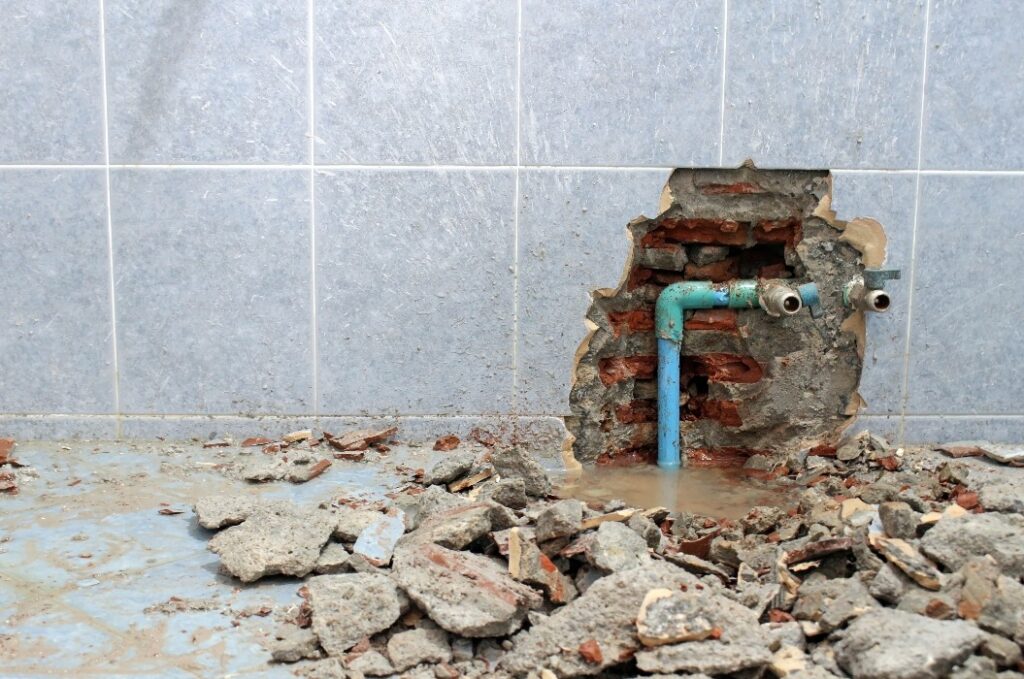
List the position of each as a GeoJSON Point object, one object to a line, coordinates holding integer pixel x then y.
{"type": "Point", "coordinates": [778, 299]}
{"type": "Point", "coordinates": [867, 292]}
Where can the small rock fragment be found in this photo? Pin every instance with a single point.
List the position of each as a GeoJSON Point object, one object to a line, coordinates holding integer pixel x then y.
{"type": "Point", "coordinates": [408, 649]}
{"type": "Point", "coordinates": [953, 542]}
{"type": "Point", "coordinates": [292, 644]}
{"type": "Point", "coordinates": [617, 548]}
{"type": "Point", "coordinates": [899, 520]}
{"type": "Point", "coordinates": [446, 443]}
{"type": "Point", "coordinates": [272, 541]}
{"type": "Point", "coordinates": [668, 617]}
{"type": "Point", "coordinates": [334, 559]}
{"type": "Point", "coordinates": [377, 541]}
{"type": "Point", "coordinates": [450, 468]}
{"type": "Point", "coordinates": [890, 644]}
{"type": "Point", "coordinates": [371, 663]}
{"type": "Point", "coordinates": [514, 463]}
{"type": "Point", "coordinates": [903, 555]}
{"type": "Point", "coordinates": [218, 511]}
{"type": "Point", "coordinates": [350, 523]}
{"type": "Point", "coordinates": [465, 593]}
{"type": "Point", "coordinates": [351, 606]}
{"type": "Point", "coordinates": [560, 519]}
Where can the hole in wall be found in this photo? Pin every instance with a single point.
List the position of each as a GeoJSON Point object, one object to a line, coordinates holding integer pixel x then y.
{"type": "Point", "coordinates": [749, 383]}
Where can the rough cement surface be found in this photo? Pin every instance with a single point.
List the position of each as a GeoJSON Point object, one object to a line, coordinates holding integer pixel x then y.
{"type": "Point", "coordinates": [888, 644]}
{"type": "Point", "coordinates": [351, 606]}
{"type": "Point", "coordinates": [273, 540]}
{"type": "Point", "coordinates": [408, 649]}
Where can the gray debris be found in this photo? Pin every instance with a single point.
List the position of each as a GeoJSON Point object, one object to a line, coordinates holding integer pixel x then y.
{"type": "Point", "coordinates": [297, 466]}
{"type": "Point", "coordinates": [951, 542]}
{"type": "Point", "coordinates": [459, 527]}
{"type": "Point", "coordinates": [218, 511]}
{"type": "Point", "coordinates": [617, 548]}
{"type": "Point", "coordinates": [451, 467]}
{"type": "Point", "coordinates": [888, 585]}
{"type": "Point", "coordinates": [351, 606]}
{"type": "Point", "coordinates": [292, 644]}
{"type": "Point", "coordinates": [514, 463]}
{"type": "Point", "coordinates": [832, 603]}
{"type": "Point", "coordinates": [560, 519]}
{"type": "Point", "coordinates": [508, 492]}
{"type": "Point", "coordinates": [646, 529]}
{"type": "Point", "coordinates": [465, 593]}
{"type": "Point", "coordinates": [890, 644]}
{"type": "Point", "coordinates": [408, 649]}
{"type": "Point", "coordinates": [1002, 496]}
{"type": "Point", "coordinates": [898, 519]}
{"type": "Point", "coordinates": [761, 519]}
{"type": "Point", "coordinates": [1004, 652]}
{"type": "Point", "coordinates": [606, 612]}
{"type": "Point", "coordinates": [737, 642]}
{"type": "Point", "coordinates": [702, 255]}
{"type": "Point", "coordinates": [349, 523]}
{"type": "Point", "coordinates": [334, 559]}
{"type": "Point", "coordinates": [371, 663]}
{"type": "Point", "coordinates": [279, 540]}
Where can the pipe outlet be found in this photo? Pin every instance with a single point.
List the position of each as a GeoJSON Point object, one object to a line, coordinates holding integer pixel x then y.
{"type": "Point", "coordinates": [780, 300]}
{"type": "Point", "coordinates": [857, 296]}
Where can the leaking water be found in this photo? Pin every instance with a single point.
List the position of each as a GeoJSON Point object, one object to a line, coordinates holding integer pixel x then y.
{"type": "Point", "coordinates": [713, 492]}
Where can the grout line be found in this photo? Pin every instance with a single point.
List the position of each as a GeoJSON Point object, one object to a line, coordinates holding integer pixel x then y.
{"type": "Point", "coordinates": [524, 166]}
{"type": "Point", "coordinates": [913, 231]}
{"type": "Point", "coordinates": [311, 101]}
{"type": "Point", "coordinates": [725, 57]}
{"type": "Point", "coordinates": [110, 218]}
{"type": "Point", "coordinates": [515, 213]}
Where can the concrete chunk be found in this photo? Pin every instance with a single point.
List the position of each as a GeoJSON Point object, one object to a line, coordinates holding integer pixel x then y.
{"type": "Point", "coordinates": [351, 606]}
{"type": "Point", "coordinates": [408, 649]}
{"type": "Point", "coordinates": [465, 593]}
{"type": "Point", "coordinates": [953, 542]}
{"type": "Point", "coordinates": [560, 519]}
{"type": "Point", "coordinates": [272, 541]}
{"type": "Point", "coordinates": [890, 644]}
{"type": "Point", "coordinates": [617, 548]}
{"type": "Point", "coordinates": [514, 463]}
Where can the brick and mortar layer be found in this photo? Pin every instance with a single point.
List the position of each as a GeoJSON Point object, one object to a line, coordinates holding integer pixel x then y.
{"type": "Point", "coordinates": [750, 383]}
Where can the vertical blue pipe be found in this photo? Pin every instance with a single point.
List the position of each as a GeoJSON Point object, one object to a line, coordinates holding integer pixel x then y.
{"type": "Point", "coordinates": [668, 403]}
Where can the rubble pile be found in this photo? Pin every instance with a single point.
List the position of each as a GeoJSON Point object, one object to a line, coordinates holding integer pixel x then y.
{"type": "Point", "coordinates": [872, 567]}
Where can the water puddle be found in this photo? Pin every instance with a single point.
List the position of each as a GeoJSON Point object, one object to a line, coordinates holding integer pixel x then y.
{"type": "Point", "coordinates": [713, 492]}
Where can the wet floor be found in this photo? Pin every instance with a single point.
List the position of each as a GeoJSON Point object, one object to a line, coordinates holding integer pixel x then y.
{"type": "Point", "coordinates": [713, 492]}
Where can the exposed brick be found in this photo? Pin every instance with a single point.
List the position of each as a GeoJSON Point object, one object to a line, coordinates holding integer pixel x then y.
{"type": "Point", "coordinates": [617, 368]}
{"type": "Point", "coordinates": [628, 457]}
{"type": "Point", "coordinates": [723, 320]}
{"type": "Point", "coordinates": [716, 272]}
{"type": "Point", "coordinates": [640, 410]}
{"type": "Point", "coordinates": [696, 230]}
{"type": "Point", "coordinates": [724, 368]}
{"type": "Point", "coordinates": [779, 270]}
{"type": "Point", "coordinates": [727, 189]}
{"type": "Point", "coordinates": [637, 320]}
{"type": "Point", "coordinates": [726, 413]}
{"type": "Point", "coordinates": [788, 231]}
{"type": "Point", "coordinates": [719, 457]}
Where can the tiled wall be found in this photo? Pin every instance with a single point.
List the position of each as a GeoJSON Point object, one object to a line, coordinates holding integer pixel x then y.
{"type": "Point", "coordinates": [350, 208]}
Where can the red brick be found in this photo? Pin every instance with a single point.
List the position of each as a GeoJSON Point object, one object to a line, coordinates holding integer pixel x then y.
{"type": "Point", "coordinates": [778, 270]}
{"type": "Point", "coordinates": [726, 413]}
{"type": "Point", "coordinates": [724, 368]}
{"type": "Point", "coordinates": [640, 410]}
{"type": "Point", "coordinates": [716, 272]}
{"type": "Point", "coordinates": [637, 320]}
{"type": "Point", "coordinates": [696, 230]}
{"type": "Point", "coordinates": [723, 320]}
{"type": "Point", "coordinates": [728, 189]}
{"type": "Point", "coordinates": [787, 231]}
{"type": "Point", "coordinates": [617, 368]}
{"type": "Point", "coordinates": [628, 457]}
{"type": "Point", "coordinates": [725, 456]}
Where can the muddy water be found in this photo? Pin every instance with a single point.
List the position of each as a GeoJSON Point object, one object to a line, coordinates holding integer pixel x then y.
{"type": "Point", "coordinates": [713, 492]}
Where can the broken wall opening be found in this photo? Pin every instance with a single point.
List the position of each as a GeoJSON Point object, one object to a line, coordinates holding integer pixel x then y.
{"type": "Point", "coordinates": [750, 383]}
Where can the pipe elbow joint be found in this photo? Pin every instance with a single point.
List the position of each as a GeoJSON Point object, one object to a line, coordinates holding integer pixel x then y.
{"type": "Point", "coordinates": [858, 296]}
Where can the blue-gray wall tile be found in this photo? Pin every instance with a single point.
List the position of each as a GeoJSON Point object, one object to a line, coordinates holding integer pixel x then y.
{"type": "Point", "coordinates": [966, 316]}
{"type": "Point", "coordinates": [51, 110]}
{"type": "Point", "coordinates": [49, 427]}
{"type": "Point", "coordinates": [620, 82]}
{"type": "Point", "coordinates": [889, 199]}
{"type": "Point", "coordinates": [55, 339]}
{"type": "Point", "coordinates": [415, 291]}
{"type": "Point", "coordinates": [212, 273]}
{"type": "Point", "coordinates": [420, 81]}
{"type": "Point", "coordinates": [975, 86]}
{"type": "Point", "coordinates": [572, 241]}
{"type": "Point", "coordinates": [824, 84]}
{"type": "Point", "coordinates": [945, 429]}
{"type": "Point", "coordinates": [216, 82]}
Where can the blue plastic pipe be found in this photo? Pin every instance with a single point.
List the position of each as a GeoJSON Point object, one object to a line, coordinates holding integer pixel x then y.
{"type": "Point", "coordinates": [672, 303]}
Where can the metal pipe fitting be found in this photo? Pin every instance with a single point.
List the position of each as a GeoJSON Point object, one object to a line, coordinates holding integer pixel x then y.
{"type": "Point", "coordinates": [858, 296]}
{"type": "Point", "coordinates": [780, 300]}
